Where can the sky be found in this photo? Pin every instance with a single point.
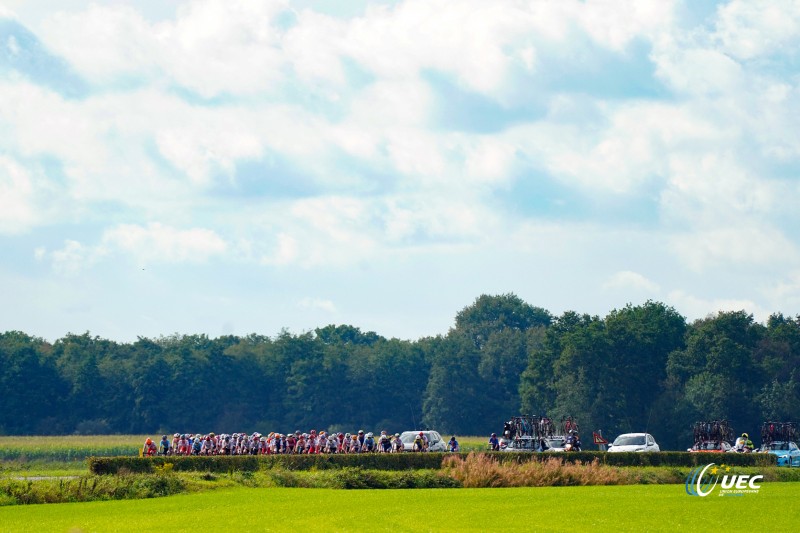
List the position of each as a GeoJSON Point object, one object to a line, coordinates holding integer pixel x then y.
{"type": "Point", "coordinates": [235, 167]}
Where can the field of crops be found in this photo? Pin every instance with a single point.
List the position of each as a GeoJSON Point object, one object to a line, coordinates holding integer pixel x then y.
{"type": "Point", "coordinates": [668, 508]}
{"type": "Point", "coordinates": [68, 448]}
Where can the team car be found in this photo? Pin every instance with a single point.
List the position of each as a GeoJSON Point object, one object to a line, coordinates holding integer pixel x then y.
{"type": "Point", "coordinates": [787, 451]}
{"type": "Point", "coordinates": [634, 442]}
{"type": "Point", "coordinates": [710, 446]}
{"type": "Point", "coordinates": [435, 441]}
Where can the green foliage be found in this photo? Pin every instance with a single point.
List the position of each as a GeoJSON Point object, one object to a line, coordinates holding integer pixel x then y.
{"type": "Point", "coordinates": [227, 464]}
{"type": "Point", "coordinates": [89, 488]}
{"type": "Point", "coordinates": [403, 461]}
{"type": "Point", "coordinates": [640, 368]}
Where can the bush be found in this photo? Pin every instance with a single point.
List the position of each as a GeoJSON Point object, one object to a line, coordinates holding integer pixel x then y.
{"type": "Point", "coordinates": [410, 461]}
{"type": "Point", "coordinates": [89, 488]}
{"type": "Point", "coordinates": [359, 478]}
{"type": "Point", "coordinates": [644, 459]}
{"type": "Point", "coordinates": [252, 463]}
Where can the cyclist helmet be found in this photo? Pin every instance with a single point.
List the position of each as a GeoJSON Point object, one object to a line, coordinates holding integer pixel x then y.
{"type": "Point", "coordinates": [494, 434]}
{"type": "Point", "coordinates": [745, 435]}
{"type": "Point", "coordinates": [360, 431]}
{"type": "Point", "coordinates": [369, 435]}
{"type": "Point", "coordinates": [420, 434]}
{"type": "Point", "coordinates": [148, 441]}
{"type": "Point", "coordinates": [163, 437]}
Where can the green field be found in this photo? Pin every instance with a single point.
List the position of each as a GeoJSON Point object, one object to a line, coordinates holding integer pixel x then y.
{"type": "Point", "coordinates": [66, 455]}
{"type": "Point", "coordinates": [62, 455]}
{"type": "Point", "coordinates": [626, 508]}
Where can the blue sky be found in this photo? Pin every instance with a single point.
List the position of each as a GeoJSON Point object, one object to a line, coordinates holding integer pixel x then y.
{"type": "Point", "coordinates": [229, 166]}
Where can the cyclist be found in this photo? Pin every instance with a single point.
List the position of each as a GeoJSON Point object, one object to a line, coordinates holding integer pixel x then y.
{"type": "Point", "coordinates": [197, 445]}
{"type": "Point", "coordinates": [397, 444]}
{"type": "Point", "coordinates": [369, 443]}
{"type": "Point", "coordinates": [573, 443]}
{"type": "Point", "coordinates": [419, 443]}
{"type": "Point", "coordinates": [355, 444]}
{"type": "Point", "coordinates": [494, 443]}
{"type": "Point", "coordinates": [744, 444]}
{"type": "Point", "coordinates": [453, 444]}
{"type": "Point", "coordinates": [149, 448]}
{"type": "Point", "coordinates": [163, 446]}
{"type": "Point", "coordinates": [384, 443]}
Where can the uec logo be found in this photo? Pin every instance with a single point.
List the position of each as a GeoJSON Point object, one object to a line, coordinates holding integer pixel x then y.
{"type": "Point", "coordinates": [703, 479]}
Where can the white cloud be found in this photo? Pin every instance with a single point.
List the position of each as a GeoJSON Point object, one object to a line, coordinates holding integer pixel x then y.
{"type": "Point", "coordinates": [72, 258]}
{"type": "Point", "coordinates": [103, 42]}
{"type": "Point", "coordinates": [627, 280]}
{"type": "Point", "coordinates": [694, 307]}
{"type": "Point", "coordinates": [347, 110]}
{"type": "Point", "coordinates": [628, 145]}
{"type": "Point", "coordinates": [317, 304]}
{"type": "Point", "coordinates": [154, 243]}
{"type": "Point", "coordinates": [211, 47]}
{"type": "Point", "coordinates": [616, 24]}
{"type": "Point", "coordinates": [18, 209]}
{"type": "Point", "coordinates": [745, 244]}
{"type": "Point", "coordinates": [699, 71]}
{"type": "Point", "coordinates": [784, 294]}
{"type": "Point", "coordinates": [716, 189]}
{"type": "Point", "coordinates": [752, 28]}
{"type": "Point", "coordinates": [158, 243]}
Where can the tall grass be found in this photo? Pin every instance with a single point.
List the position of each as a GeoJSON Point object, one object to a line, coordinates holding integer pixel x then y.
{"type": "Point", "coordinates": [478, 470]}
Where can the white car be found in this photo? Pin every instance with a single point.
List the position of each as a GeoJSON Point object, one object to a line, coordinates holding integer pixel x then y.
{"type": "Point", "coordinates": [556, 443]}
{"type": "Point", "coordinates": [435, 441]}
{"type": "Point", "coordinates": [521, 444]}
{"type": "Point", "coordinates": [634, 442]}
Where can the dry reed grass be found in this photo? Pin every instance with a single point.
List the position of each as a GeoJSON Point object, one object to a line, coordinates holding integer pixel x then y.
{"type": "Point", "coordinates": [482, 470]}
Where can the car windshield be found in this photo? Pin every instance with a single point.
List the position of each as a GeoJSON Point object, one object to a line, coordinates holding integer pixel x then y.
{"type": "Point", "coordinates": [779, 446]}
{"type": "Point", "coordinates": [556, 443]}
{"type": "Point", "coordinates": [408, 437]}
{"type": "Point", "coordinates": [632, 440]}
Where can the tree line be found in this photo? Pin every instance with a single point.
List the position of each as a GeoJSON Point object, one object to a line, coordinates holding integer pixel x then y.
{"type": "Point", "coordinates": [639, 368]}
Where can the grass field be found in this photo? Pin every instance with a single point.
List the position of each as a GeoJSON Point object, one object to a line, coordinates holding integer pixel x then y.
{"type": "Point", "coordinates": [68, 448]}
{"type": "Point", "coordinates": [62, 455]}
{"type": "Point", "coordinates": [66, 455]}
{"type": "Point", "coordinates": [623, 508]}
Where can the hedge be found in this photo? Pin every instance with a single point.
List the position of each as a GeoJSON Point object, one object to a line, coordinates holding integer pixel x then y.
{"type": "Point", "coordinates": [407, 461]}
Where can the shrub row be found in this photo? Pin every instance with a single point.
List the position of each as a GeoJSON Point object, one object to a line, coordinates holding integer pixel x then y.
{"type": "Point", "coordinates": [663, 458]}
{"type": "Point", "coordinates": [85, 489]}
{"type": "Point", "coordinates": [358, 478]}
{"type": "Point", "coordinates": [406, 461]}
{"type": "Point", "coordinates": [224, 464]}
